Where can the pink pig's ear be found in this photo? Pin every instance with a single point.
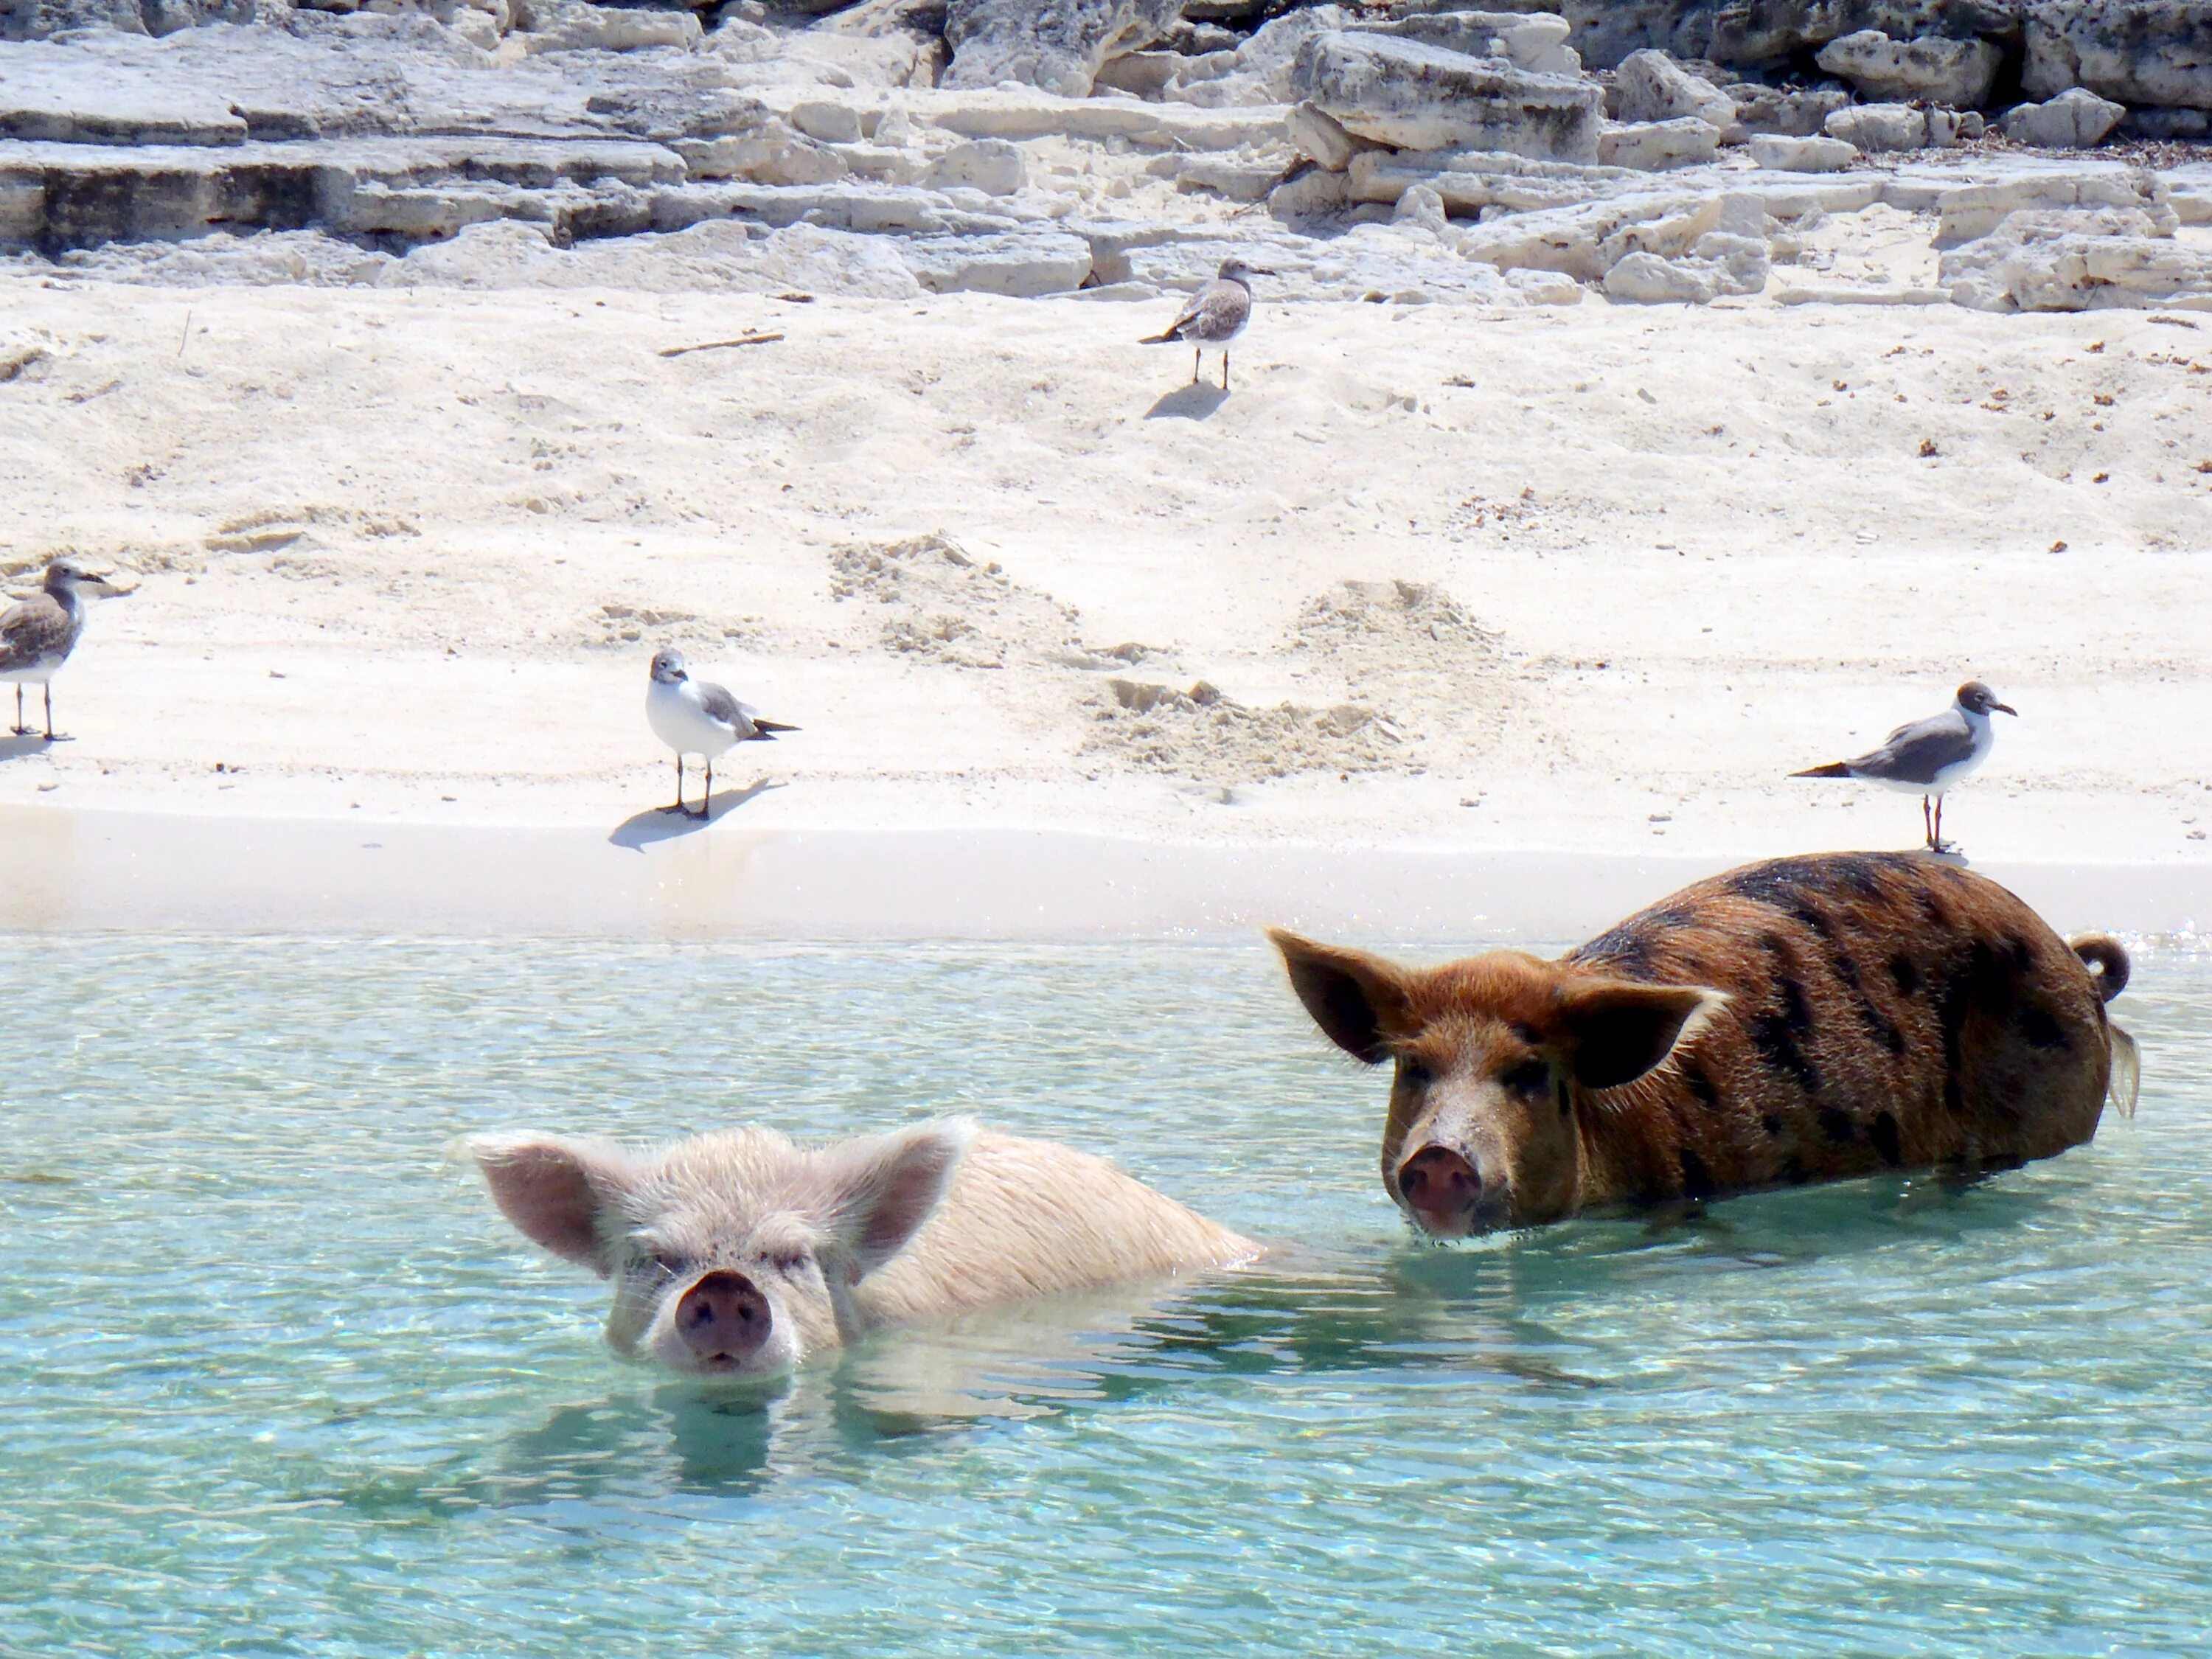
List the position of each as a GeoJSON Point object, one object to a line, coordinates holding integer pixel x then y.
{"type": "Point", "coordinates": [1617, 1031]}
{"type": "Point", "coordinates": [879, 1191]}
{"type": "Point", "coordinates": [555, 1190]}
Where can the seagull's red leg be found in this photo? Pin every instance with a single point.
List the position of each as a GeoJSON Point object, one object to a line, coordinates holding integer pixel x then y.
{"type": "Point", "coordinates": [1225, 368]}
{"type": "Point", "coordinates": [1197, 358]}
{"type": "Point", "coordinates": [1927, 829]}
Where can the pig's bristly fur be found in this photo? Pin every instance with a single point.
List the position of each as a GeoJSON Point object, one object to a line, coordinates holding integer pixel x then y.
{"type": "Point", "coordinates": [815, 1247]}
{"type": "Point", "coordinates": [1877, 1011]}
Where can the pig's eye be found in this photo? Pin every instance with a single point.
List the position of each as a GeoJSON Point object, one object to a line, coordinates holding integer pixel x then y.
{"type": "Point", "coordinates": [669, 1264]}
{"type": "Point", "coordinates": [788, 1262]}
{"type": "Point", "coordinates": [1414, 1075]}
{"type": "Point", "coordinates": [1530, 1077]}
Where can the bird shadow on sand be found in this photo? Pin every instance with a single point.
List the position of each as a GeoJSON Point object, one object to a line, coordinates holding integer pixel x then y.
{"type": "Point", "coordinates": [641, 829]}
{"type": "Point", "coordinates": [1195, 402]}
{"type": "Point", "coordinates": [14, 748]}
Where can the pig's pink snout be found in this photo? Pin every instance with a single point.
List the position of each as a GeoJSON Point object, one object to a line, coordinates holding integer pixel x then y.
{"type": "Point", "coordinates": [723, 1317]}
{"type": "Point", "coordinates": [1441, 1188]}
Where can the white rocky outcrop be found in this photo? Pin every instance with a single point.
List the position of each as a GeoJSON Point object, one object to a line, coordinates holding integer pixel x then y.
{"type": "Point", "coordinates": [1877, 127]}
{"type": "Point", "coordinates": [2134, 52]}
{"type": "Point", "coordinates": [1411, 95]}
{"type": "Point", "coordinates": [1654, 146]}
{"type": "Point", "coordinates": [1054, 46]}
{"type": "Point", "coordinates": [1650, 86]}
{"type": "Point", "coordinates": [1777, 153]}
{"type": "Point", "coordinates": [1955, 73]}
{"type": "Point", "coordinates": [2075, 119]}
{"type": "Point", "coordinates": [2099, 259]}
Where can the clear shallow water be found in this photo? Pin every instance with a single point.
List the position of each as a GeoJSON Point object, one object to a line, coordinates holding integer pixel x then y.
{"type": "Point", "coordinates": [277, 1381]}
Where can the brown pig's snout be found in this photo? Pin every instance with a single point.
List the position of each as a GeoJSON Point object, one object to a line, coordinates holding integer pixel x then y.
{"type": "Point", "coordinates": [724, 1316]}
{"type": "Point", "coordinates": [1441, 1188]}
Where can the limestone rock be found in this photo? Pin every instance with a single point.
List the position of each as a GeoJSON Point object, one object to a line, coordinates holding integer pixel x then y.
{"type": "Point", "coordinates": [1471, 182]}
{"type": "Point", "coordinates": [1422, 206]}
{"type": "Point", "coordinates": [1322, 138]}
{"type": "Point", "coordinates": [570, 25]}
{"type": "Point", "coordinates": [1586, 241]}
{"type": "Point", "coordinates": [1240, 178]}
{"type": "Point", "coordinates": [1764, 32]}
{"type": "Point", "coordinates": [1653, 146]}
{"type": "Point", "coordinates": [1413, 96]}
{"type": "Point", "coordinates": [1877, 127]}
{"type": "Point", "coordinates": [2139, 51]}
{"type": "Point", "coordinates": [1650, 86]}
{"type": "Point", "coordinates": [1023, 263]}
{"type": "Point", "coordinates": [1795, 114]}
{"type": "Point", "coordinates": [1534, 40]}
{"type": "Point", "coordinates": [1055, 46]}
{"type": "Point", "coordinates": [1955, 73]}
{"type": "Point", "coordinates": [2105, 258]}
{"type": "Point", "coordinates": [721, 257]}
{"type": "Point", "coordinates": [828, 122]}
{"type": "Point", "coordinates": [303, 259]}
{"type": "Point", "coordinates": [1949, 128]}
{"type": "Point", "coordinates": [993, 166]}
{"type": "Point", "coordinates": [1777, 153]}
{"type": "Point", "coordinates": [1718, 262]}
{"type": "Point", "coordinates": [1260, 71]}
{"type": "Point", "coordinates": [2072, 121]}
{"type": "Point", "coordinates": [1972, 211]}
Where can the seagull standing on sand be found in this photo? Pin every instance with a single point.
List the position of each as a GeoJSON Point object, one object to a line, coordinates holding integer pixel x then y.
{"type": "Point", "coordinates": [37, 634]}
{"type": "Point", "coordinates": [694, 718]}
{"type": "Point", "coordinates": [1930, 755]}
{"type": "Point", "coordinates": [1215, 315]}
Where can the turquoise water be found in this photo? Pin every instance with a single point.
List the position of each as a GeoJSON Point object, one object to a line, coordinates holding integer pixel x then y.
{"type": "Point", "coordinates": [277, 1381]}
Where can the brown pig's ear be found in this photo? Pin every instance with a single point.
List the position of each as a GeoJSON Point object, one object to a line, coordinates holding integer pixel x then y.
{"type": "Point", "coordinates": [1359, 1001]}
{"type": "Point", "coordinates": [1616, 1030]}
{"type": "Point", "coordinates": [558, 1193]}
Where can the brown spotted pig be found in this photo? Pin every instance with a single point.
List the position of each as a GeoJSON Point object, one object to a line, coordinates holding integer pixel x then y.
{"type": "Point", "coordinates": [738, 1253]}
{"type": "Point", "coordinates": [1808, 1019]}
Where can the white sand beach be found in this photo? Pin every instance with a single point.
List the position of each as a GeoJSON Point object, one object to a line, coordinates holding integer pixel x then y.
{"type": "Point", "coordinates": [1614, 572]}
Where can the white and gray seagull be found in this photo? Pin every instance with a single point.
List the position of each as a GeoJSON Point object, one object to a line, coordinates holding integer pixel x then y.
{"type": "Point", "coordinates": [37, 634]}
{"type": "Point", "coordinates": [1929, 756]}
{"type": "Point", "coordinates": [694, 718]}
{"type": "Point", "coordinates": [1215, 315]}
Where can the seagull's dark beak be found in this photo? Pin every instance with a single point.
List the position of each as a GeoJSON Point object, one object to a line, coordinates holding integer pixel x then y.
{"type": "Point", "coordinates": [2006, 708]}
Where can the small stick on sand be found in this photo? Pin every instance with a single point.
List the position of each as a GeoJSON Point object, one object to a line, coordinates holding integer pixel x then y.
{"type": "Point", "coordinates": [717, 345]}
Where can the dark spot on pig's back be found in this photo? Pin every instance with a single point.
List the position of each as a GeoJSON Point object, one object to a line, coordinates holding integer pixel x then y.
{"type": "Point", "coordinates": [1883, 1133]}
{"type": "Point", "coordinates": [1700, 1084]}
{"type": "Point", "coordinates": [1778, 1035]}
{"type": "Point", "coordinates": [1772, 1124]}
{"type": "Point", "coordinates": [2041, 1030]}
{"type": "Point", "coordinates": [1837, 1125]}
{"type": "Point", "coordinates": [1875, 1020]}
{"type": "Point", "coordinates": [1906, 972]}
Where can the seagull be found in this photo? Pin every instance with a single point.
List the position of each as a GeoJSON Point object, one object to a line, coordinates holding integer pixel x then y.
{"type": "Point", "coordinates": [37, 634]}
{"type": "Point", "coordinates": [694, 718]}
{"type": "Point", "coordinates": [1929, 756]}
{"type": "Point", "coordinates": [1215, 315]}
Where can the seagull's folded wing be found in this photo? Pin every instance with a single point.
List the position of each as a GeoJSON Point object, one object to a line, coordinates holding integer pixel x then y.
{"type": "Point", "coordinates": [30, 630]}
{"type": "Point", "coordinates": [1920, 750]}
